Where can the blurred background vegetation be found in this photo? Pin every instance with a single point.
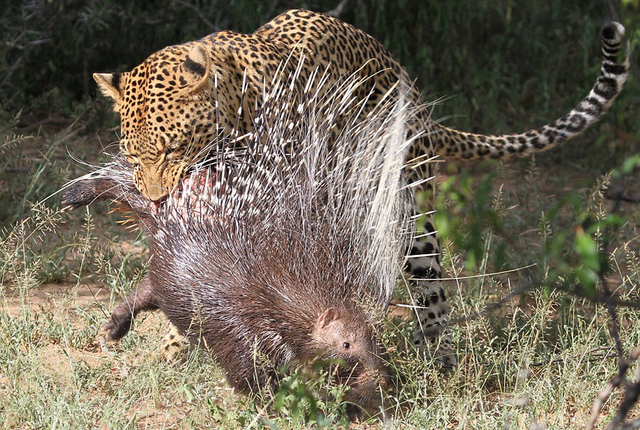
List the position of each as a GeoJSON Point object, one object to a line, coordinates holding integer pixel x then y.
{"type": "Point", "coordinates": [505, 64]}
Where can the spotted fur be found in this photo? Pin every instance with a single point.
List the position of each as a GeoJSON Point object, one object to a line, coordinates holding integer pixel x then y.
{"type": "Point", "coordinates": [176, 104]}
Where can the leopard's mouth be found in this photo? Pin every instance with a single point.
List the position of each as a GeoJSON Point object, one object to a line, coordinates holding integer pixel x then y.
{"type": "Point", "coordinates": [193, 194]}
{"type": "Point", "coordinates": [158, 204]}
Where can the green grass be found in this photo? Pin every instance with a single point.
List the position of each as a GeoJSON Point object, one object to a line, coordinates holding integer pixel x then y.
{"type": "Point", "coordinates": [541, 357]}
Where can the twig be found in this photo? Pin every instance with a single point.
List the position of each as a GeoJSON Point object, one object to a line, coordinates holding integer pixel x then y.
{"type": "Point", "coordinates": [484, 275]}
{"type": "Point", "coordinates": [600, 298]}
{"type": "Point", "coordinates": [610, 10]}
{"type": "Point", "coordinates": [272, 9]}
{"type": "Point", "coordinates": [631, 391]}
{"type": "Point", "coordinates": [631, 395]}
{"type": "Point", "coordinates": [589, 360]}
{"type": "Point", "coordinates": [338, 9]}
{"type": "Point", "coordinates": [203, 18]}
{"type": "Point", "coordinates": [600, 400]}
{"type": "Point", "coordinates": [631, 425]}
{"type": "Point", "coordinates": [493, 306]}
{"type": "Point", "coordinates": [619, 194]}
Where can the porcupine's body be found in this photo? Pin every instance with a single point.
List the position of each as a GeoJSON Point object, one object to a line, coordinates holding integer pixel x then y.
{"type": "Point", "coordinates": [280, 251]}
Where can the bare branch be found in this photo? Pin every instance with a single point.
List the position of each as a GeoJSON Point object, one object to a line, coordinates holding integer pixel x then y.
{"type": "Point", "coordinates": [631, 391]}
{"type": "Point", "coordinates": [338, 9]}
{"type": "Point", "coordinates": [600, 400]}
{"type": "Point", "coordinates": [617, 193]}
{"type": "Point", "coordinates": [198, 12]}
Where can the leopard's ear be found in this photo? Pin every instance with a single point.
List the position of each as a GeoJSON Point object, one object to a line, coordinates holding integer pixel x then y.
{"type": "Point", "coordinates": [112, 85]}
{"type": "Point", "coordinates": [193, 73]}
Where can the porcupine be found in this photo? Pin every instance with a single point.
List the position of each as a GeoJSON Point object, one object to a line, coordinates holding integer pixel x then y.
{"type": "Point", "coordinates": [285, 249]}
{"type": "Point", "coordinates": [166, 105]}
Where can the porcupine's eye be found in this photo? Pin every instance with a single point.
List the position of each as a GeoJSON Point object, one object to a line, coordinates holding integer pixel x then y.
{"type": "Point", "coordinates": [346, 345]}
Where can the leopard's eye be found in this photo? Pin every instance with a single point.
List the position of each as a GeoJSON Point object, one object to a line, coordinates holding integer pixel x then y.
{"type": "Point", "coordinates": [134, 160]}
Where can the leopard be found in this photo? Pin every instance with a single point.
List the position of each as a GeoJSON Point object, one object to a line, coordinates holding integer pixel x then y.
{"type": "Point", "coordinates": [178, 102]}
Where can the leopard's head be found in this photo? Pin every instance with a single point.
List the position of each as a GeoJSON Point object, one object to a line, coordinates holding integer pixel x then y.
{"type": "Point", "coordinates": [166, 113]}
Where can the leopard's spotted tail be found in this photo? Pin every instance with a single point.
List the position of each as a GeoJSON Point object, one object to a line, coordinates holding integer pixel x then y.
{"type": "Point", "coordinates": [451, 143]}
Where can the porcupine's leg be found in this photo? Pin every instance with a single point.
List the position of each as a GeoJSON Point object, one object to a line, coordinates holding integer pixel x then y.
{"type": "Point", "coordinates": [174, 345]}
{"type": "Point", "coordinates": [98, 186]}
{"type": "Point", "coordinates": [121, 320]}
{"type": "Point", "coordinates": [431, 308]}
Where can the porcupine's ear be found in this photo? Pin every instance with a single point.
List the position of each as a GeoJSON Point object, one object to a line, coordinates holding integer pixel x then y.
{"type": "Point", "coordinates": [329, 329]}
{"type": "Point", "coordinates": [112, 85]}
{"type": "Point", "coordinates": [193, 73]}
{"type": "Point", "coordinates": [327, 317]}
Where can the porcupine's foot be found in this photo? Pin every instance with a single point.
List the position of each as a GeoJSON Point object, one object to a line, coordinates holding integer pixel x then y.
{"type": "Point", "coordinates": [122, 317]}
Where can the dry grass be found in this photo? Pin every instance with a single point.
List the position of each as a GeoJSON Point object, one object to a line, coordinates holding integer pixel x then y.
{"type": "Point", "coordinates": [539, 359]}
